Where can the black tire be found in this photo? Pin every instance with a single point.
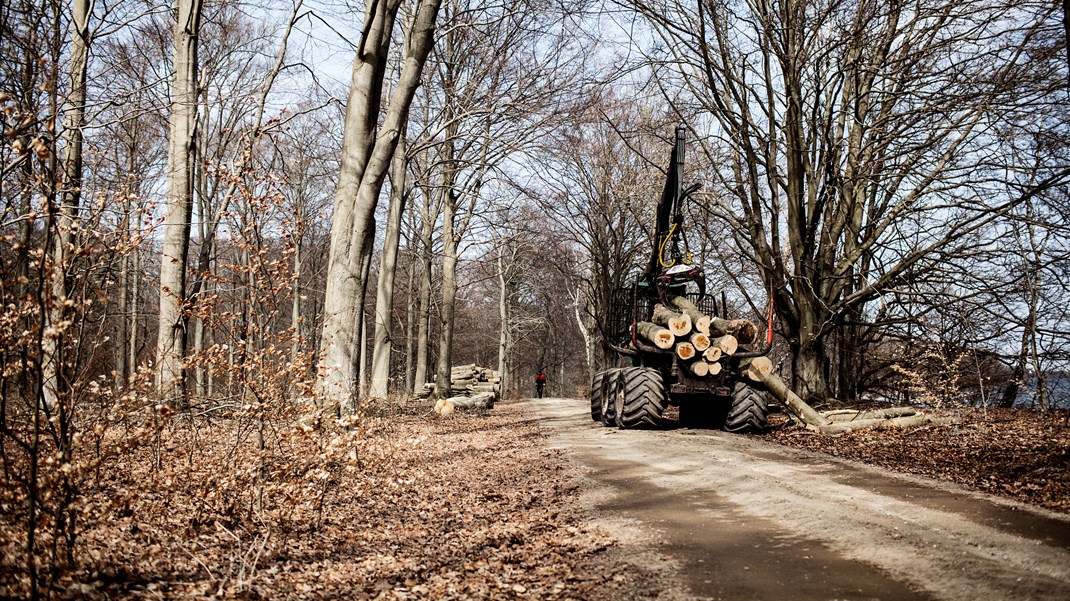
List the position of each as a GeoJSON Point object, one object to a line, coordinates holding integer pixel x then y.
{"type": "Point", "coordinates": [640, 398]}
{"type": "Point", "coordinates": [608, 414]}
{"type": "Point", "coordinates": [597, 392]}
{"type": "Point", "coordinates": [749, 411]}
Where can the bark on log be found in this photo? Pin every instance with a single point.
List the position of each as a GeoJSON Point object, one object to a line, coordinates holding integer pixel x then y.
{"type": "Point", "coordinates": [757, 368]}
{"type": "Point", "coordinates": [700, 341]}
{"type": "Point", "coordinates": [483, 400]}
{"type": "Point", "coordinates": [847, 415]}
{"type": "Point", "coordinates": [699, 320]}
{"type": "Point", "coordinates": [896, 423]}
{"type": "Point", "coordinates": [727, 343]}
{"type": "Point", "coordinates": [793, 403]}
{"type": "Point", "coordinates": [712, 354]}
{"type": "Point", "coordinates": [744, 330]}
{"type": "Point", "coordinates": [655, 334]}
{"type": "Point", "coordinates": [685, 351]}
{"type": "Point", "coordinates": [700, 368]}
{"type": "Point", "coordinates": [677, 323]}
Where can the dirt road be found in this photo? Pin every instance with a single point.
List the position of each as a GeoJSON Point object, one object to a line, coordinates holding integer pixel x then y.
{"type": "Point", "coordinates": [743, 519]}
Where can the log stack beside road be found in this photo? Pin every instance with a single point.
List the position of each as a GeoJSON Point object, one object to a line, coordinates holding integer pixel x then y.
{"type": "Point", "coordinates": [471, 387]}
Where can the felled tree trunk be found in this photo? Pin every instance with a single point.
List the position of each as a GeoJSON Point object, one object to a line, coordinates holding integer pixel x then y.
{"type": "Point", "coordinates": [757, 368]}
{"type": "Point", "coordinates": [685, 351]}
{"type": "Point", "coordinates": [793, 403]}
{"type": "Point", "coordinates": [885, 424]}
{"type": "Point", "coordinates": [847, 415]}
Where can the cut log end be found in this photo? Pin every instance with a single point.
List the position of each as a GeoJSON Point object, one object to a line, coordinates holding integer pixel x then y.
{"type": "Point", "coordinates": [700, 368]}
{"type": "Point", "coordinates": [700, 341]}
{"type": "Point", "coordinates": [685, 350]}
{"type": "Point", "coordinates": [677, 323]}
{"type": "Point", "coordinates": [727, 343]}
{"type": "Point", "coordinates": [758, 368]}
{"type": "Point", "coordinates": [655, 334]}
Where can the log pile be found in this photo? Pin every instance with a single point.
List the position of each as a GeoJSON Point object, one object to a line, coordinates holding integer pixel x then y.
{"type": "Point", "coordinates": [701, 342]}
{"type": "Point", "coordinates": [471, 387]}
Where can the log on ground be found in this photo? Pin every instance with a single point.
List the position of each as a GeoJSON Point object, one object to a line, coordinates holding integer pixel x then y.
{"type": "Point", "coordinates": [895, 423]}
{"type": "Point", "coordinates": [848, 415]}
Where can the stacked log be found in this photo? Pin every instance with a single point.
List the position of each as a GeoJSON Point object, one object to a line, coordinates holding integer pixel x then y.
{"type": "Point", "coordinates": [483, 400]}
{"type": "Point", "coordinates": [699, 340]}
{"type": "Point", "coordinates": [468, 381]}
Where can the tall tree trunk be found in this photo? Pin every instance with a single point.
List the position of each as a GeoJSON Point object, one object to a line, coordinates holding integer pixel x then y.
{"type": "Point", "coordinates": [295, 306]}
{"type": "Point", "coordinates": [410, 329]}
{"type": "Point", "coordinates": [423, 335]}
{"type": "Point", "coordinates": [69, 199]}
{"type": "Point", "coordinates": [365, 161]}
{"type": "Point", "coordinates": [504, 317]}
{"type": "Point", "coordinates": [384, 294]}
{"type": "Point", "coordinates": [449, 291]}
{"type": "Point", "coordinates": [181, 159]}
{"type": "Point", "coordinates": [135, 298]}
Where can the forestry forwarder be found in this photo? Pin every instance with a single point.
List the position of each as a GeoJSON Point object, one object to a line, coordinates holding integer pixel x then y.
{"type": "Point", "coordinates": [679, 350]}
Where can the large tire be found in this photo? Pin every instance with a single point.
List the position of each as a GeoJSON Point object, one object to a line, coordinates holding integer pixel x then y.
{"type": "Point", "coordinates": [597, 393]}
{"type": "Point", "coordinates": [749, 411]}
{"type": "Point", "coordinates": [640, 398]}
{"type": "Point", "coordinates": [608, 413]}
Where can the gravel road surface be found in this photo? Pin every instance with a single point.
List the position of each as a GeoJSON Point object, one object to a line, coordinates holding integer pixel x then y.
{"type": "Point", "coordinates": [741, 519]}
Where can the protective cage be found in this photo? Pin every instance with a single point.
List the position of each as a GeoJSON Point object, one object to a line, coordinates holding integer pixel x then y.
{"type": "Point", "coordinates": [636, 304]}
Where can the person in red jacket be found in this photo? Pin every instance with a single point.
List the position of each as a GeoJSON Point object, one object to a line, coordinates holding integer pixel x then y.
{"type": "Point", "coordinates": [540, 382]}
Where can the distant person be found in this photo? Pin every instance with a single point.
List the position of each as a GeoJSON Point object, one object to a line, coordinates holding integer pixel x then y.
{"type": "Point", "coordinates": [540, 383]}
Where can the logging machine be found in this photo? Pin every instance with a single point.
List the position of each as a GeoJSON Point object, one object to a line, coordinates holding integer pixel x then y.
{"type": "Point", "coordinates": [680, 346]}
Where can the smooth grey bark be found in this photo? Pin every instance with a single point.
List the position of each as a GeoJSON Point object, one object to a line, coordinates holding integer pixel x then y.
{"type": "Point", "coordinates": [181, 160]}
{"type": "Point", "coordinates": [54, 383]}
{"type": "Point", "coordinates": [504, 317]}
{"type": "Point", "coordinates": [384, 294]}
{"type": "Point", "coordinates": [366, 154]}
{"type": "Point", "coordinates": [423, 325]}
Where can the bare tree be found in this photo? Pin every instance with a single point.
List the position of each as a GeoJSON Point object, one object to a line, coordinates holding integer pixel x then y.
{"type": "Point", "coordinates": [367, 150]}
{"type": "Point", "coordinates": [181, 158]}
{"type": "Point", "coordinates": [857, 140]}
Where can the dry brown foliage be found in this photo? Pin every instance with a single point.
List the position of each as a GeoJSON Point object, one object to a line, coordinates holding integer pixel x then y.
{"type": "Point", "coordinates": [1017, 453]}
{"type": "Point", "coordinates": [405, 506]}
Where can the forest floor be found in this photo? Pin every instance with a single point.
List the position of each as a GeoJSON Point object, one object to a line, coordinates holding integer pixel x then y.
{"type": "Point", "coordinates": [409, 506]}
{"type": "Point", "coordinates": [1021, 454]}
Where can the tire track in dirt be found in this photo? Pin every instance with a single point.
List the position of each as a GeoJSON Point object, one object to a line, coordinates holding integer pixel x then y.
{"type": "Point", "coordinates": [745, 519]}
